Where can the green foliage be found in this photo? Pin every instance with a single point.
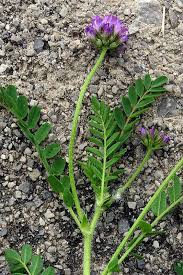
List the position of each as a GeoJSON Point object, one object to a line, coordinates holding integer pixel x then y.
{"type": "Point", "coordinates": [140, 97]}
{"type": "Point", "coordinates": [173, 193]}
{"type": "Point", "coordinates": [178, 268]}
{"type": "Point", "coordinates": [113, 266]}
{"type": "Point", "coordinates": [29, 121]}
{"type": "Point", "coordinates": [145, 227]}
{"type": "Point", "coordinates": [24, 262]}
{"type": "Point", "coordinates": [106, 148]}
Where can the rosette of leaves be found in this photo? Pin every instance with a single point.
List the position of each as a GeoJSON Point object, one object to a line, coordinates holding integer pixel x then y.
{"type": "Point", "coordinates": [24, 262]}
{"type": "Point", "coordinates": [28, 119]}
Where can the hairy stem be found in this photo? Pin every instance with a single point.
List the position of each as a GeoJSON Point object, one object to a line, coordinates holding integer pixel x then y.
{"type": "Point", "coordinates": [87, 254]}
{"type": "Point", "coordinates": [74, 130]}
{"type": "Point", "coordinates": [144, 235]}
{"type": "Point", "coordinates": [130, 180]}
{"type": "Point", "coordinates": [176, 168]}
{"type": "Point", "coordinates": [104, 167]}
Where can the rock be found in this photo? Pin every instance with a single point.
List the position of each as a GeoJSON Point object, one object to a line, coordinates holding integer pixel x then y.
{"type": "Point", "coordinates": [48, 215]}
{"type": "Point", "coordinates": [140, 264]}
{"type": "Point", "coordinates": [63, 11]}
{"type": "Point", "coordinates": [156, 244]}
{"type": "Point", "coordinates": [167, 107]}
{"type": "Point", "coordinates": [123, 226]}
{"type": "Point", "coordinates": [2, 53]}
{"type": "Point", "coordinates": [132, 204]}
{"type": "Point", "coordinates": [110, 217]}
{"type": "Point", "coordinates": [18, 194]}
{"type": "Point", "coordinates": [24, 187]}
{"type": "Point", "coordinates": [34, 175]}
{"type": "Point", "coordinates": [134, 27]}
{"type": "Point", "coordinates": [3, 68]}
{"type": "Point", "coordinates": [150, 12]}
{"type": "Point", "coordinates": [38, 45]}
{"type": "Point", "coordinates": [41, 221]}
{"type": "Point", "coordinates": [173, 18]}
{"type": "Point", "coordinates": [3, 232]}
{"type": "Point", "coordinates": [179, 3]}
{"type": "Point", "coordinates": [67, 271]}
{"type": "Point", "coordinates": [180, 28]}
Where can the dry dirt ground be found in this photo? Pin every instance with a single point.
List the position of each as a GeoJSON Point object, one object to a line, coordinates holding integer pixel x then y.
{"type": "Point", "coordinates": [44, 52]}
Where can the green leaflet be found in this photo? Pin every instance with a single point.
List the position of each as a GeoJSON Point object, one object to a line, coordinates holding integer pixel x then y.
{"type": "Point", "coordinates": [126, 105]}
{"type": "Point", "coordinates": [146, 227]}
{"type": "Point", "coordinates": [162, 80]}
{"type": "Point", "coordinates": [132, 95]}
{"type": "Point", "coordinates": [178, 268]}
{"type": "Point", "coordinates": [51, 150]}
{"type": "Point", "coordinates": [120, 117]}
{"type": "Point", "coordinates": [175, 190]}
{"type": "Point", "coordinates": [34, 263]}
{"type": "Point", "coordinates": [22, 106]}
{"type": "Point", "coordinates": [105, 149]}
{"type": "Point", "coordinates": [113, 266]}
{"type": "Point", "coordinates": [58, 166]}
{"type": "Point", "coordinates": [42, 133]}
{"type": "Point", "coordinates": [26, 253]}
{"type": "Point", "coordinates": [33, 117]}
{"type": "Point", "coordinates": [160, 204]}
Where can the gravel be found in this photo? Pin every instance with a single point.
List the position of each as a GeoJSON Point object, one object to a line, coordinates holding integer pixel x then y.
{"type": "Point", "coordinates": [43, 51]}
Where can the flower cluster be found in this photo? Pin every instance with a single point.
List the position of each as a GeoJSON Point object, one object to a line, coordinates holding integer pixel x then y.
{"type": "Point", "coordinates": [151, 138]}
{"type": "Point", "coordinates": [109, 32]}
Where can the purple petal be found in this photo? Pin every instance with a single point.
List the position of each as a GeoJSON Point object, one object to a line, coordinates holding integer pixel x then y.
{"type": "Point", "coordinates": [152, 131]}
{"type": "Point", "coordinates": [143, 131]}
{"type": "Point", "coordinates": [90, 32]}
{"type": "Point", "coordinates": [97, 23]}
{"type": "Point", "coordinates": [108, 30]}
{"type": "Point", "coordinates": [166, 139]}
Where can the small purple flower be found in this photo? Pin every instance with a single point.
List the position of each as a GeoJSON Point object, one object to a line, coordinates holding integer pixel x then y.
{"type": "Point", "coordinates": [108, 31]}
{"type": "Point", "coordinates": [143, 131]}
{"type": "Point", "coordinates": [153, 139]}
{"type": "Point", "coordinates": [152, 131]}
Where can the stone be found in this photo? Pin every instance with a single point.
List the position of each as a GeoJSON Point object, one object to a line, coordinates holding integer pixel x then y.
{"type": "Point", "coordinates": [132, 204]}
{"type": "Point", "coordinates": [48, 215]}
{"type": "Point", "coordinates": [18, 194]}
{"type": "Point", "coordinates": [134, 27]}
{"type": "Point", "coordinates": [167, 107]}
{"type": "Point", "coordinates": [180, 28]}
{"type": "Point", "coordinates": [156, 244]}
{"type": "Point", "coordinates": [34, 175]}
{"type": "Point", "coordinates": [150, 12]}
{"type": "Point", "coordinates": [38, 45]}
{"type": "Point", "coordinates": [2, 53]}
{"type": "Point", "coordinates": [24, 187]}
{"type": "Point", "coordinates": [123, 226]}
{"type": "Point", "coordinates": [140, 264]}
{"type": "Point", "coordinates": [173, 18]}
{"type": "Point", "coordinates": [110, 217]}
{"type": "Point", "coordinates": [41, 221]}
{"type": "Point", "coordinates": [3, 68]}
{"type": "Point", "coordinates": [3, 232]}
{"type": "Point", "coordinates": [63, 11]}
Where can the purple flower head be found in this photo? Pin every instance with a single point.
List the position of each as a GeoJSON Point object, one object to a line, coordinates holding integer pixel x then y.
{"type": "Point", "coordinates": [110, 30]}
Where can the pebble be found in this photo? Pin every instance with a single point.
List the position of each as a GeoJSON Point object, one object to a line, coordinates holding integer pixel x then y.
{"type": "Point", "coordinates": [132, 204]}
{"type": "Point", "coordinates": [180, 29]}
{"type": "Point", "coordinates": [123, 226]}
{"type": "Point", "coordinates": [173, 18]}
{"type": "Point", "coordinates": [18, 194]}
{"type": "Point", "coordinates": [150, 11]}
{"type": "Point", "coordinates": [156, 244]}
{"type": "Point", "coordinates": [24, 187]}
{"type": "Point", "coordinates": [38, 45]}
{"type": "Point", "coordinates": [49, 215]}
{"type": "Point", "coordinates": [3, 68]}
{"type": "Point", "coordinates": [34, 175]}
{"type": "Point", "coordinates": [3, 232]}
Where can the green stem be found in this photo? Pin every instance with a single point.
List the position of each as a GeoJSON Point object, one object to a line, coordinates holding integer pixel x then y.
{"type": "Point", "coordinates": [87, 254]}
{"type": "Point", "coordinates": [130, 180]}
{"type": "Point", "coordinates": [104, 167]}
{"type": "Point", "coordinates": [143, 213]}
{"type": "Point", "coordinates": [144, 235]}
{"type": "Point", "coordinates": [74, 129]}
